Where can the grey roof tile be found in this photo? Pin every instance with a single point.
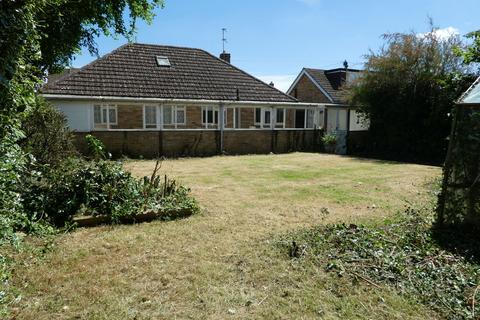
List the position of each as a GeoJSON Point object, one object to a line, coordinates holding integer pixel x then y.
{"type": "Point", "coordinates": [132, 71]}
{"type": "Point", "coordinates": [330, 84]}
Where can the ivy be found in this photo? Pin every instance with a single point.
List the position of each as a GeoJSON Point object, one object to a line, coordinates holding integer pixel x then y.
{"type": "Point", "coordinates": [403, 255]}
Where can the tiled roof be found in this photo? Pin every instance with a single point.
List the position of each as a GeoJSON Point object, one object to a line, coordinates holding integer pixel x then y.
{"type": "Point", "coordinates": [132, 71]}
{"type": "Point", "coordinates": [331, 82]}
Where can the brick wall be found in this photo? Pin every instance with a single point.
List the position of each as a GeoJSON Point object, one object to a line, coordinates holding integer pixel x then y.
{"type": "Point", "coordinates": [129, 117]}
{"type": "Point", "coordinates": [306, 91]}
{"type": "Point", "coordinates": [150, 144]}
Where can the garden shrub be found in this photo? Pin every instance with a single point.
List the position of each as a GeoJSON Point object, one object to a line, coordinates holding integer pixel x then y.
{"type": "Point", "coordinates": [96, 148]}
{"type": "Point", "coordinates": [46, 135]}
{"type": "Point", "coordinates": [100, 188]}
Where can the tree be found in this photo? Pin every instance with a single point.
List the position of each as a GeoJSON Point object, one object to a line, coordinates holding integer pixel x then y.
{"type": "Point", "coordinates": [38, 37]}
{"type": "Point", "coordinates": [471, 54]}
{"type": "Point", "coordinates": [47, 137]}
{"type": "Point", "coordinates": [407, 93]}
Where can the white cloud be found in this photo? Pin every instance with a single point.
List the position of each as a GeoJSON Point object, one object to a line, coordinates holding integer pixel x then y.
{"type": "Point", "coordinates": [443, 34]}
{"type": "Point", "coordinates": [310, 3]}
{"type": "Point", "coordinates": [281, 81]}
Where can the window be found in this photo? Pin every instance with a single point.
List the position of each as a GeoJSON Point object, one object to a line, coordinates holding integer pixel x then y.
{"type": "Point", "coordinates": [112, 115]}
{"type": "Point", "coordinates": [258, 115]}
{"type": "Point", "coordinates": [266, 117]}
{"type": "Point", "coordinates": [167, 115]}
{"type": "Point", "coordinates": [180, 115]}
{"type": "Point", "coordinates": [210, 116]}
{"type": "Point", "coordinates": [97, 115]}
{"type": "Point", "coordinates": [150, 116]}
{"type": "Point", "coordinates": [310, 118]}
{"type": "Point", "coordinates": [174, 115]}
{"type": "Point", "coordinates": [263, 117]}
{"type": "Point", "coordinates": [104, 114]}
{"type": "Point", "coordinates": [280, 116]}
{"type": "Point", "coordinates": [163, 61]}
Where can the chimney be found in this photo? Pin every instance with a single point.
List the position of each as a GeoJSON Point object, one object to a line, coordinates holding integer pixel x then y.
{"type": "Point", "coordinates": [225, 56]}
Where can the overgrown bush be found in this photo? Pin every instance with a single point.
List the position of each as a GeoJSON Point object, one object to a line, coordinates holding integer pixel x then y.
{"type": "Point", "coordinates": [100, 188]}
{"type": "Point", "coordinates": [459, 201]}
{"type": "Point", "coordinates": [402, 254]}
{"type": "Point", "coordinates": [46, 136]}
{"type": "Point", "coordinates": [407, 92]}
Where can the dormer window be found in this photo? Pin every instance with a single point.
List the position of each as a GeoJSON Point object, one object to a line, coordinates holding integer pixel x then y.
{"type": "Point", "coordinates": [163, 61]}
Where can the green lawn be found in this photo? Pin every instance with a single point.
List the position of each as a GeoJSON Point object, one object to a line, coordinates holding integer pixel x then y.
{"type": "Point", "coordinates": [221, 264]}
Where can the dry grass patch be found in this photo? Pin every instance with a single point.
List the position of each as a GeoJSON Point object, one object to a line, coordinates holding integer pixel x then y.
{"type": "Point", "coordinates": [219, 264]}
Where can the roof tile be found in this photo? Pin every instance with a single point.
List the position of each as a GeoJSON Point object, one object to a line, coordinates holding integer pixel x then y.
{"type": "Point", "coordinates": [132, 71]}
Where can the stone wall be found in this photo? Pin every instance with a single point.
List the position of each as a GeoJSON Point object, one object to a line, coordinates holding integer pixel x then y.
{"type": "Point", "coordinates": [150, 144]}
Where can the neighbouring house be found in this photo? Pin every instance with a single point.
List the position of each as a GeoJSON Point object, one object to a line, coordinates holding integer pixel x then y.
{"type": "Point", "coordinates": [154, 100]}
{"type": "Point", "coordinates": [471, 97]}
{"type": "Point", "coordinates": [328, 87]}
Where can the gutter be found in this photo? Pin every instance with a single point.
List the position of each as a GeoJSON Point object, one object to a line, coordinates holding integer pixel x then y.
{"type": "Point", "coordinates": [193, 101]}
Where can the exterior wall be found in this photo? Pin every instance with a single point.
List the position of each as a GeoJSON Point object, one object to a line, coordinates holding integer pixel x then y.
{"type": "Point", "coordinates": [357, 123]}
{"type": "Point", "coordinates": [78, 114]}
{"type": "Point", "coordinates": [247, 117]}
{"type": "Point", "coordinates": [337, 120]}
{"type": "Point", "coordinates": [129, 117]}
{"type": "Point", "coordinates": [151, 144]}
{"type": "Point", "coordinates": [306, 91]}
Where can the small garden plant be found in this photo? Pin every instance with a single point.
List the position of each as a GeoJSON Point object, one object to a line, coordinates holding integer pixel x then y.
{"type": "Point", "coordinates": [329, 141]}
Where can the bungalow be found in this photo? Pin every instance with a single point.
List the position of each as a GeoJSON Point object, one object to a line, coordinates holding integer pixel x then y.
{"type": "Point", "coordinates": [153, 100]}
{"type": "Point", "coordinates": [328, 87]}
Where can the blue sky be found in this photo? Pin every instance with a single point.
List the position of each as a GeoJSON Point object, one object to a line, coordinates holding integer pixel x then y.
{"type": "Point", "coordinates": [274, 39]}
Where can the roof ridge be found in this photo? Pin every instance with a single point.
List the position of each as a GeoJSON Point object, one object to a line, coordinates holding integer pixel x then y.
{"type": "Point", "coordinates": [251, 76]}
{"type": "Point", "coordinates": [165, 46]}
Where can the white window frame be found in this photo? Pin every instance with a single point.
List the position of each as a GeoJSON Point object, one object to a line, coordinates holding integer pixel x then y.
{"type": "Point", "coordinates": [284, 110]}
{"type": "Point", "coordinates": [157, 117]}
{"type": "Point", "coordinates": [175, 110]}
{"type": "Point", "coordinates": [215, 110]}
{"type": "Point", "coordinates": [262, 123]}
{"type": "Point", "coordinates": [105, 119]}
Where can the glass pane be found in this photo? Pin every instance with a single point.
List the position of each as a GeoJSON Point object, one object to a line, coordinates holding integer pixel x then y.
{"type": "Point", "coordinates": [258, 112]}
{"type": "Point", "coordinates": [150, 115]}
{"type": "Point", "coordinates": [310, 114]}
{"type": "Point", "coordinates": [97, 114]}
{"type": "Point", "coordinates": [112, 115]}
{"type": "Point", "coordinates": [210, 116]}
{"type": "Point", "coordinates": [279, 115]}
{"type": "Point", "coordinates": [104, 115]}
{"type": "Point", "coordinates": [167, 115]}
{"type": "Point", "coordinates": [180, 116]}
{"type": "Point", "coordinates": [216, 116]}
{"type": "Point", "coordinates": [267, 116]}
